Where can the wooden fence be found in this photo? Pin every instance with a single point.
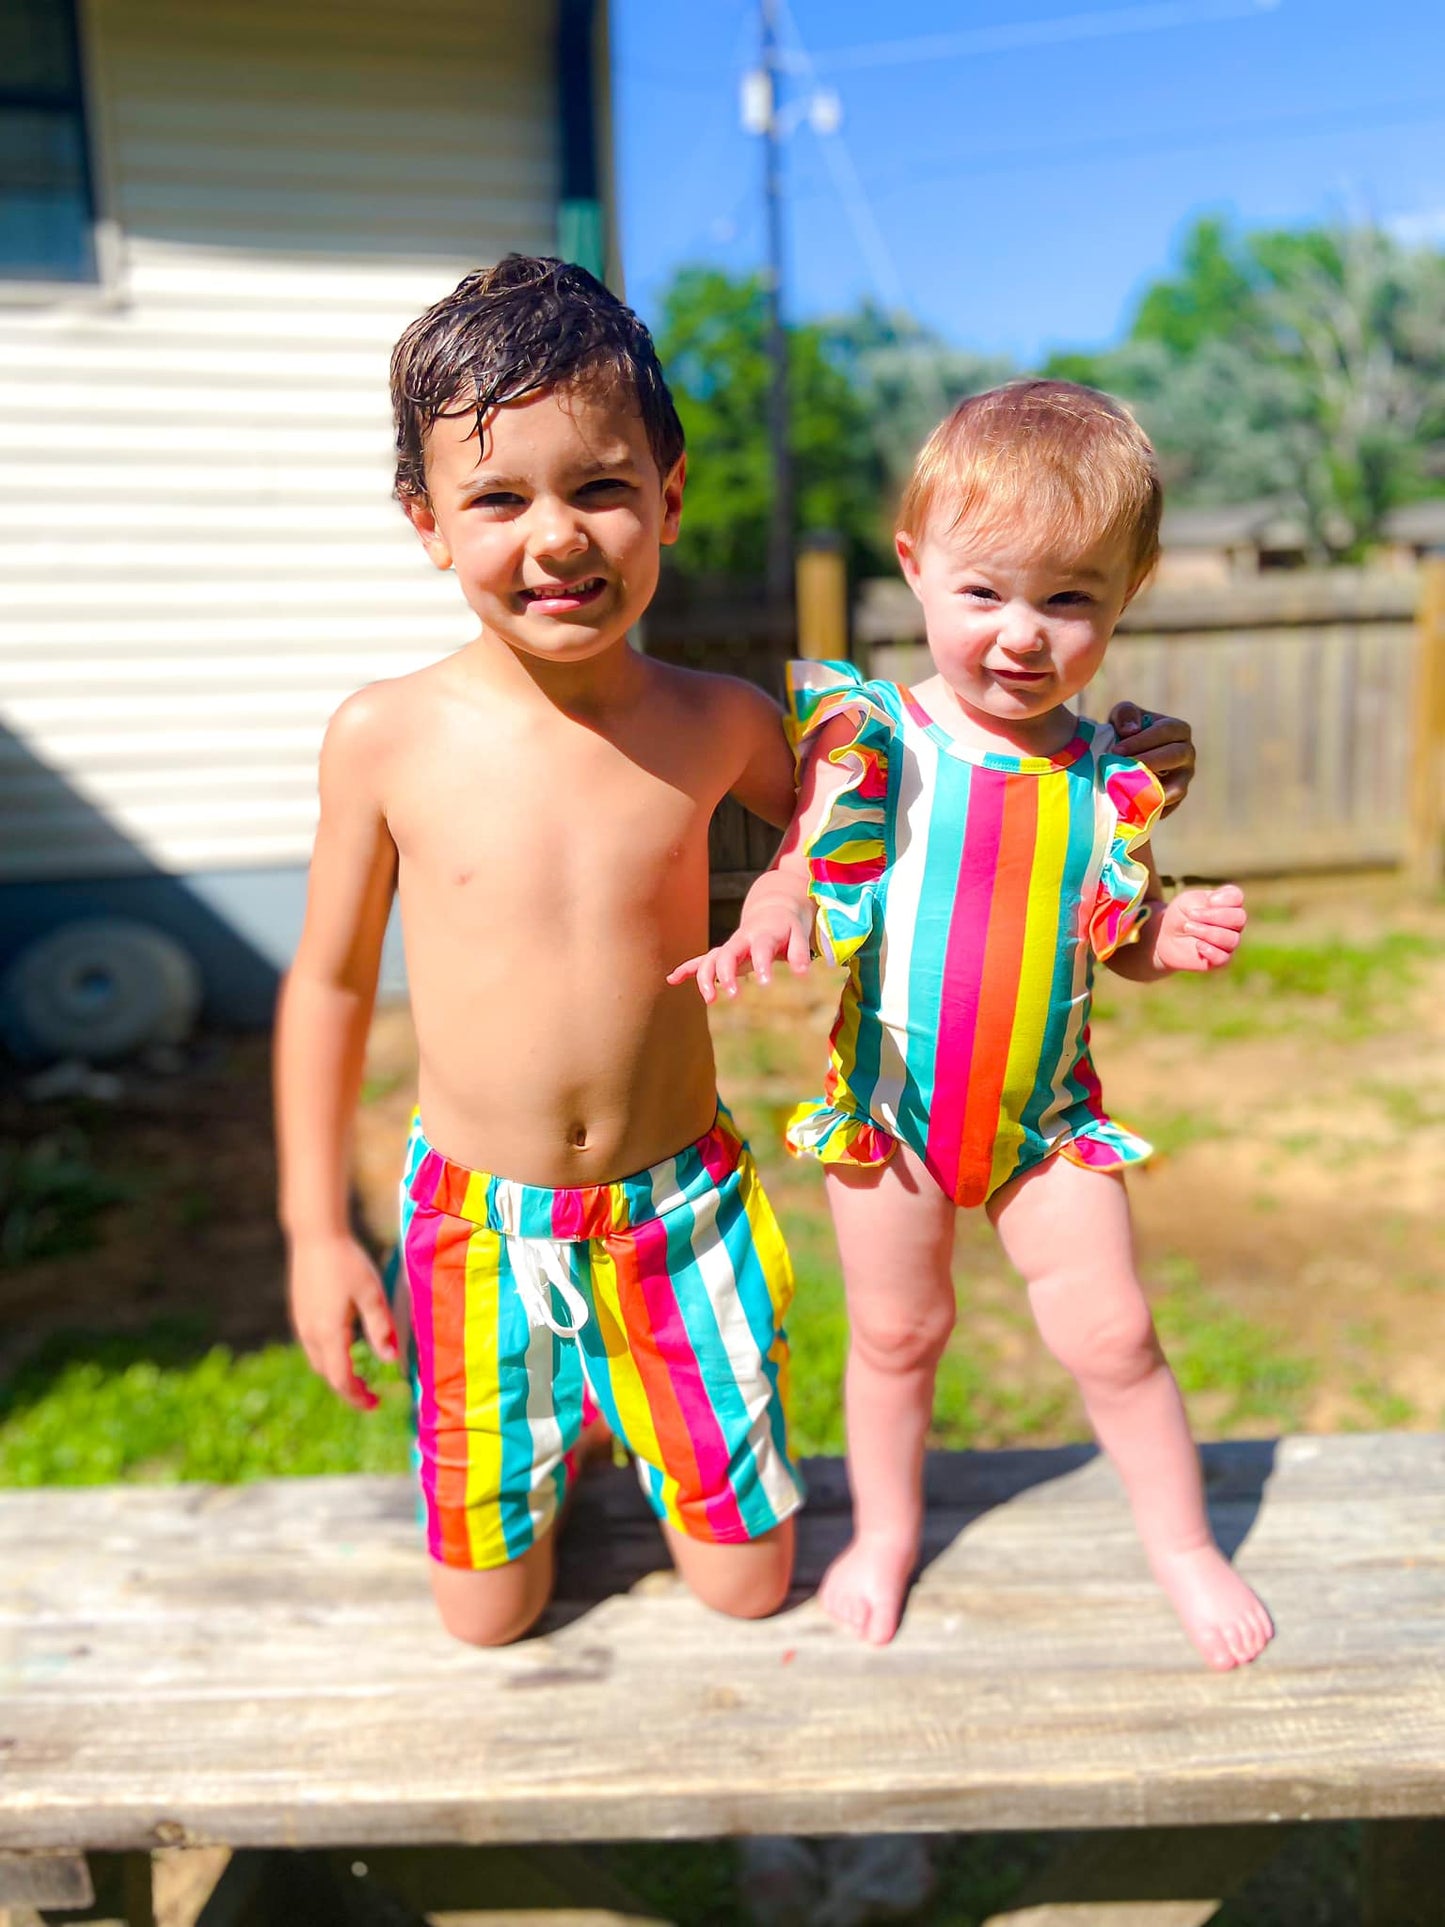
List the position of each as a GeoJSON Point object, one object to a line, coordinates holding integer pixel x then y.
{"type": "Point", "coordinates": [1317, 701]}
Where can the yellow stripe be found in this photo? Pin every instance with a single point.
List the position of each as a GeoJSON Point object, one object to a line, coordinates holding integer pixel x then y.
{"type": "Point", "coordinates": [483, 1416]}
{"type": "Point", "coordinates": [768, 1240]}
{"type": "Point", "coordinates": [845, 1047]}
{"type": "Point", "coordinates": [1036, 972]}
{"type": "Point", "coordinates": [474, 1202]}
{"type": "Point", "coordinates": [627, 1389]}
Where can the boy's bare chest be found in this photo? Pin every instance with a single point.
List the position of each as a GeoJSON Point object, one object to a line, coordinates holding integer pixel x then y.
{"type": "Point", "coordinates": [574, 817]}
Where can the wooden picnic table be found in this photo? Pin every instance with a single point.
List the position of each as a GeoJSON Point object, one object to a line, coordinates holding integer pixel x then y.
{"type": "Point", "coordinates": [260, 1667]}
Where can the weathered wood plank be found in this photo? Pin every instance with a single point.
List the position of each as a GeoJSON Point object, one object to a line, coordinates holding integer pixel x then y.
{"type": "Point", "coordinates": [45, 1880]}
{"type": "Point", "coordinates": [260, 1666]}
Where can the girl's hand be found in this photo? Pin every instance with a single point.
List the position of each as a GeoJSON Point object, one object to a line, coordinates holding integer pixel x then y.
{"type": "Point", "coordinates": [764, 934]}
{"type": "Point", "coordinates": [333, 1283]}
{"type": "Point", "coordinates": [1200, 929]}
{"type": "Point", "coordinates": [1164, 744]}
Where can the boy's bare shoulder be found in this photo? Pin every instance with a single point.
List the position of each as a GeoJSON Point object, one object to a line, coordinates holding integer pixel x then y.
{"type": "Point", "coordinates": [373, 718]}
{"type": "Point", "coordinates": [713, 697]}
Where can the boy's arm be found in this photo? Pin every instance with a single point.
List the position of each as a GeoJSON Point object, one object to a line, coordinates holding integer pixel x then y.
{"type": "Point", "coordinates": [777, 917]}
{"type": "Point", "coordinates": [1164, 744]}
{"type": "Point", "coordinates": [1195, 930]}
{"type": "Point", "coordinates": [766, 782]}
{"type": "Point", "coordinates": [321, 1029]}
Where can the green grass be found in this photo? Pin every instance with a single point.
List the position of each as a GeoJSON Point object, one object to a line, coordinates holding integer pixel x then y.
{"type": "Point", "coordinates": [155, 1406]}
{"type": "Point", "coordinates": [1171, 1132]}
{"type": "Point", "coordinates": [1247, 1366]}
{"type": "Point", "coordinates": [1340, 990]}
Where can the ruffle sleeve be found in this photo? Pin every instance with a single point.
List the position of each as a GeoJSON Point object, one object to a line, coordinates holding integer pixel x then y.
{"type": "Point", "coordinates": [848, 851]}
{"type": "Point", "coordinates": [1136, 798]}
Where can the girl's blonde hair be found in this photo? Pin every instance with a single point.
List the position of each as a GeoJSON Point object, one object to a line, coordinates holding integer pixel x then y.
{"type": "Point", "coordinates": [1071, 460]}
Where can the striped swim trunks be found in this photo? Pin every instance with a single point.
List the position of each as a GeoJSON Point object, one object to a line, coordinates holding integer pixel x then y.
{"type": "Point", "coordinates": [660, 1298]}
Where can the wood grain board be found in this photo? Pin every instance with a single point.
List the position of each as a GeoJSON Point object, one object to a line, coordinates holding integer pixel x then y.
{"type": "Point", "coordinates": [261, 1666]}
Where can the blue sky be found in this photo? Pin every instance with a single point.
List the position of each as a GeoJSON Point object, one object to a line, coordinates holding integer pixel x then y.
{"type": "Point", "coordinates": [1018, 197]}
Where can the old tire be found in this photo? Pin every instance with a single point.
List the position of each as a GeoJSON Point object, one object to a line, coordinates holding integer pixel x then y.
{"type": "Point", "coordinates": [98, 989]}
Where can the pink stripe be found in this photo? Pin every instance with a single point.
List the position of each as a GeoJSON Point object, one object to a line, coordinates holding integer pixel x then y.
{"type": "Point", "coordinates": [837, 870]}
{"type": "Point", "coordinates": [675, 1351]}
{"type": "Point", "coordinates": [569, 1214]}
{"type": "Point", "coordinates": [963, 977]}
{"type": "Point", "coordinates": [419, 1260]}
{"type": "Point", "coordinates": [719, 1151]}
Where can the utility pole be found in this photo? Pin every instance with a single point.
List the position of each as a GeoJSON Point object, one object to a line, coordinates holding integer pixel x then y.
{"type": "Point", "coordinates": [780, 525]}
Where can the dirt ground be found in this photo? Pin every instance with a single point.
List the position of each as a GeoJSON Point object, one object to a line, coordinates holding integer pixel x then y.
{"type": "Point", "coordinates": [1299, 1184]}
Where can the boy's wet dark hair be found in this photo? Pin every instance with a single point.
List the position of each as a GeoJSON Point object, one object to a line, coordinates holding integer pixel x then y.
{"type": "Point", "coordinates": [529, 324]}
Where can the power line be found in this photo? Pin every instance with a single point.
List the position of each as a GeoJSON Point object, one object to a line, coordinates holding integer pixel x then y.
{"type": "Point", "coordinates": [1043, 33]}
{"type": "Point", "coordinates": [1034, 159]}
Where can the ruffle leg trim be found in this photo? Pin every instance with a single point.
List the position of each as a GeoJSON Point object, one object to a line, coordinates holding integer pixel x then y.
{"type": "Point", "coordinates": [1105, 1146]}
{"type": "Point", "coordinates": [837, 1137]}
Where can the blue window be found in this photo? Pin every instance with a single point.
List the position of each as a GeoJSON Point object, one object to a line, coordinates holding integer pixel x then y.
{"type": "Point", "coordinates": [47, 207]}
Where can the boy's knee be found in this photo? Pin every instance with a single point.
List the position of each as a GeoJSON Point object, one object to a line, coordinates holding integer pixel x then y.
{"type": "Point", "coordinates": [495, 1607]}
{"type": "Point", "coordinates": [749, 1581]}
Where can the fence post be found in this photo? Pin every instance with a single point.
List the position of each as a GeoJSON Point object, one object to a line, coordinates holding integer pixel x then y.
{"type": "Point", "coordinates": [822, 578]}
{"type": "Point", "coordinates": [1426, 852]}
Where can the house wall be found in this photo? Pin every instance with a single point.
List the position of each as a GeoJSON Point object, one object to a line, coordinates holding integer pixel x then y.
{"type": "Point", "coordinates": [198, 549]}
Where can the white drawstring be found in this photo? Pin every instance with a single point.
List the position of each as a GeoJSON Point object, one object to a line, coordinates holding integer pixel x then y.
{"type": "Point", "coordinates": [539, 1269]}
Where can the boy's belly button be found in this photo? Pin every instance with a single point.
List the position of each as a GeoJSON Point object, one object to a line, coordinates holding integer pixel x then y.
{"type": "Point", "coordinates": [577, 1137]}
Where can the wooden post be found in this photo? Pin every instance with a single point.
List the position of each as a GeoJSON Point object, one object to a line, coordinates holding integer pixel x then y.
{"type": "Point", "coordinates": [1426, 850]}
{"type": "Point", "coordinates": [822, 580]}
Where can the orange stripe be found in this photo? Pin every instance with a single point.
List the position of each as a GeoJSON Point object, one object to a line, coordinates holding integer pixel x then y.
{"type": "Point", "coordinates": [998, 987]}
{"type": "Point", "coordinates": [449, 1354]}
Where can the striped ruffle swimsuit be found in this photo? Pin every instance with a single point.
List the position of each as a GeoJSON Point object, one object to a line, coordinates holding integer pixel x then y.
{"type": "Point", "coordinates": [969, 893]}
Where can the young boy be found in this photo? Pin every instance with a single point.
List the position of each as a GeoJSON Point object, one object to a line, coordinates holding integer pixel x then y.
{"type": "Point", "coordinates": [540, 802]}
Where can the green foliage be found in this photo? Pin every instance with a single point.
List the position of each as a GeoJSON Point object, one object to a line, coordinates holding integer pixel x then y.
{"type": "Point", "coordinates": [1301, 366]}
{"type": "Point", "coordinates": [51, 1198]}
{"type": "Point", "coordinates": [713, 344]}
{"type": "Point", "coordinates": [1307, 365]}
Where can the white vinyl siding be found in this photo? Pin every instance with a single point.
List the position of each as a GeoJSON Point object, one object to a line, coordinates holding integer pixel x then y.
{"type": "Point", "coordinates": [199, 556]}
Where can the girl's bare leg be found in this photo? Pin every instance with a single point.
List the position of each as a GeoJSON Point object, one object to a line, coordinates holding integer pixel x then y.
{"type": "Point", "coordinates": [895, 1238]}
{"type": "Point", "coordinates": [1068, 1232]}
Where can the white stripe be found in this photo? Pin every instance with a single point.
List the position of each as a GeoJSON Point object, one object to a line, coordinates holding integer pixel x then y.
{"type": "Point", "coordinates": [918, 758]}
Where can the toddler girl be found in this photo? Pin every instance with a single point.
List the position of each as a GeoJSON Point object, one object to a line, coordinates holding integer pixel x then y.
{"type": "Point", "coordinates": [971, 847]}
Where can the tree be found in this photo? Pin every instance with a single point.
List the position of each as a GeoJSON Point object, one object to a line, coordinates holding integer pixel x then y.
{"type": "Point", "coordinates": [712, 345]}
{"type": "Point", "coordinates": [1305, 364]}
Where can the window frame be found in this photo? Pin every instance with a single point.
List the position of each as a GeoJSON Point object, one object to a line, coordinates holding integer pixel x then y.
{"type": "Point", "coordinates": [102, 288]}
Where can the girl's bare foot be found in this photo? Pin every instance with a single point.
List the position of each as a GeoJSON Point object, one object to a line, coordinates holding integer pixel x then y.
{"type": "Point", "coordinates": [1226, 1620]}
{"type": "Point", "coordinates": [866, 1585]}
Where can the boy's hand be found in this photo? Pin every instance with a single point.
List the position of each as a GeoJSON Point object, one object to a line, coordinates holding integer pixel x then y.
{"type": "Point", "coordinates": [765, 935]}
{"type": "Point", "coordinates": [1200, 929]}
{"type": "Point", "coordinates": [1164, 744]}
{"type": "Point", "coordinates": [333, 1283]}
